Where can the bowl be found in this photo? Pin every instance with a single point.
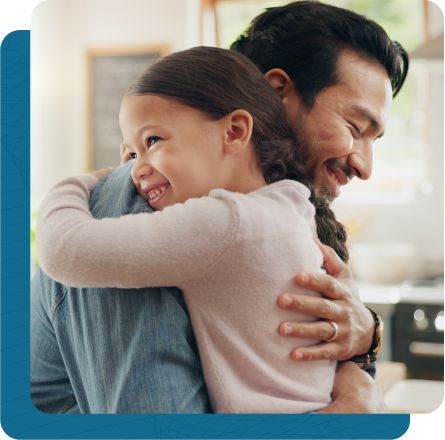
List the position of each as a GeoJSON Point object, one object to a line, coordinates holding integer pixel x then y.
{"type": "Point", "coordinates": [382, 262]}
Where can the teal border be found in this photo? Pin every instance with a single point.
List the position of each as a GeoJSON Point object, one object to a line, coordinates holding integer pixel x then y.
{"type": "Point", "coordinates": [19, 418]}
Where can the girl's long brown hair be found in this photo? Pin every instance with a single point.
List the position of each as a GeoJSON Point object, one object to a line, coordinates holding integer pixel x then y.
{"type": "Point", "coordinates": [218, 82]}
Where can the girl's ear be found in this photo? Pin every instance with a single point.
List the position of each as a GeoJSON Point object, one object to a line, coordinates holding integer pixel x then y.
{"type": "Point", "coordinates": [238, 131]}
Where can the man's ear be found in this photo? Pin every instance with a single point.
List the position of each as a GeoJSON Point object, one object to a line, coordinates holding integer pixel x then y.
{"type": "Point", "coordinates": [280, 81]}
{"type": "Point", "coordinates": [287, 91]}
{"type": "Point", "coordinates": [238, 131]}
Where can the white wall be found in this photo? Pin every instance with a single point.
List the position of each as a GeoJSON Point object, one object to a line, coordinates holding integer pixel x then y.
{"type": "Point", "coordinates": [61, 32]}
{"type": "Point", "coordinates": [434, 18]}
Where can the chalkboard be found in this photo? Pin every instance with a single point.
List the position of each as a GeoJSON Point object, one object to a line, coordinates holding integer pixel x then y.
{"type": "Point", "coordinates": [110, 73]}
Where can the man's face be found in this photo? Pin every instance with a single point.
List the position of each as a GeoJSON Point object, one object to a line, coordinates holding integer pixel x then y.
{"type": "Point", "coordinates": [337, 133]}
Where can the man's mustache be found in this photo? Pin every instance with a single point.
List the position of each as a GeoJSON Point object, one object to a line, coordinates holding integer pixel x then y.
{"type": "Point", "coordinates": [343, 167]}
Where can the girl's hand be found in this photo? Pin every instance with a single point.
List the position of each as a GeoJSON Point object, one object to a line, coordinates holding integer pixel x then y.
{"type": "Point", "coordinates": [340, 303]}
{"type": "Point", "coordinates": [101, 173]}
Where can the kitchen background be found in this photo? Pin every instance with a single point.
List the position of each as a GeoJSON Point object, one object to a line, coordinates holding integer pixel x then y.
{"type": "Point", "coordinates": [395, 220]}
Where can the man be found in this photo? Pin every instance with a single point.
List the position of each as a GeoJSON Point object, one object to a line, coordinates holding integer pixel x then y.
{"type": "Point", "coordinates": [99, 350]}
{"type": "Point", "coordinates": [336, 72]}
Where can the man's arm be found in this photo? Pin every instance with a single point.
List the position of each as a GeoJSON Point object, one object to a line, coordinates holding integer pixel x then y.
{"type": "Point", "coordinates": [354, 392]}
{"type": "Point", "coordinates": [51, 388]}
{"type": "Point", "coordinates": [341, 304]}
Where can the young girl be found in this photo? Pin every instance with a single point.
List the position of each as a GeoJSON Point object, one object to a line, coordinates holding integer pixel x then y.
{"type": "Point", "coordinates": [211, 146]}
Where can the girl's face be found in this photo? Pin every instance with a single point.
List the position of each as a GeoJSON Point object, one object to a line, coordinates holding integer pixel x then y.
{"type": "Point", "coordinates": [176, 150]}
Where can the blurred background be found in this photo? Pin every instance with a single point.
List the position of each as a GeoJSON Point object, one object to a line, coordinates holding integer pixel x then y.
{"type": "Point", "coordinates": [85, 53]}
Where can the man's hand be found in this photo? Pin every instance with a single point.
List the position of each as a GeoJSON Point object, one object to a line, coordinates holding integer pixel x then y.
{"type": "Point", "coordinates": [354, 392]}
{"type": "Point", "coordinates": [101, 173]}
{"type": "Point", "coordinates": [341, 305]}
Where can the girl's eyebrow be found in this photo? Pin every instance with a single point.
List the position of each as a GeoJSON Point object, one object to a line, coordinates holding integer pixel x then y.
{"type": "Point", "coordinates": [145, 127]}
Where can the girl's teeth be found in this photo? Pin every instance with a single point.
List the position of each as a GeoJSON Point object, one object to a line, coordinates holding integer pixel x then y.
{"type": "Point", "coordinates": [156, 192]}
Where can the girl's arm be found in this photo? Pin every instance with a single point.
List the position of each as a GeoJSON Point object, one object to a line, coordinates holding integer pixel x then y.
{"type": "Point", "coordinates": [165, 248]}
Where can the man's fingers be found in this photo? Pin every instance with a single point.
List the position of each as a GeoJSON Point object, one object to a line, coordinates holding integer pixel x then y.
{"type": "Point", "coordinates": [332, 262]}
{"type": "Point", "coordinates": [323, 283]}
{"type": "Point", "coordinates": [319, 307]}
{"type": "Point", "coordinates": [324, 350]}
{"type": "Point", "coordinates": [321, 330]}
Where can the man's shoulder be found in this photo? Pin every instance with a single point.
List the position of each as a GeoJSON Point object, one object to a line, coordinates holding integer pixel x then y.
{"type": "Point", "coordinates": [115, 195]}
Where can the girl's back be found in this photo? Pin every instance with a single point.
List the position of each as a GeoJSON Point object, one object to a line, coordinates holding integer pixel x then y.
{"type": "Point", "coordinates": [248, 369]}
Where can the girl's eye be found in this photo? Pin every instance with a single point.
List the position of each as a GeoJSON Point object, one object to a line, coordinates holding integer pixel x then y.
{"type": "Point", "coordinates": [152, 140]}
{"type": "Point", "coordinates": [132, 155]}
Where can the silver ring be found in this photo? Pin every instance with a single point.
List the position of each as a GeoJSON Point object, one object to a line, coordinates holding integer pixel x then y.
{"type": "Point", "coordinates": [335, 331]}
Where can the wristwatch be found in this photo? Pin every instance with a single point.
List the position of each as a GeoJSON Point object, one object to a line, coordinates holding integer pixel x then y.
{"type": "Point", "coordinates": [371, 356]}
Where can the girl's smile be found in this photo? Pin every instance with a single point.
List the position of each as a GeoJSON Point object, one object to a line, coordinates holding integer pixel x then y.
{"type": "Point", "coordinates": [156, 193]}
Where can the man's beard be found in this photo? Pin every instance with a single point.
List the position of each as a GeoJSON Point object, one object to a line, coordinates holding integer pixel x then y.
{"type": "Point", "coordinates": [306, 156]}
{"type": "Point", "coordinates": [306, 150]}
{"type": "Point", "coordinates": [325, 191]}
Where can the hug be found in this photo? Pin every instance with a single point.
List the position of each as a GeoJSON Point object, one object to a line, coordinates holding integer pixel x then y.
{"type": "Point", "coordinates": [208, 273]}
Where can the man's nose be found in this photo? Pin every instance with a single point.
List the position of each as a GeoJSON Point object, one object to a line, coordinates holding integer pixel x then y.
{"type": "Point", "coordinates": [139, 172]}
{"type": "Point", "coordinates": [360, 160]}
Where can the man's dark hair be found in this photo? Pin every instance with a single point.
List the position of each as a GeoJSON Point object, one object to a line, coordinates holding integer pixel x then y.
{"type": "Point", "coordinates": [218, 82]}
{"type": "Point", "coordinates": [305, 39]}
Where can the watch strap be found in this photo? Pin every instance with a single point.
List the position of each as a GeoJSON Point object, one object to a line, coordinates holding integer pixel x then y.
{"type": "Point", "coordinates": [371, 356]}
{"type": "Point", "coordinates": [378, 328]}
{"type": "Point", "coordinates": [363, 358]}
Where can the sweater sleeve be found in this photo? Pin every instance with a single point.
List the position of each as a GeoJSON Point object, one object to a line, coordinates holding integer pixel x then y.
{"type": "Point", "coordinates": [164, 248]}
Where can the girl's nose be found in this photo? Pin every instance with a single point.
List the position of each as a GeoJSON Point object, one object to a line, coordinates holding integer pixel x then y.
{"type": "Point", "coordinates": [139, 172]}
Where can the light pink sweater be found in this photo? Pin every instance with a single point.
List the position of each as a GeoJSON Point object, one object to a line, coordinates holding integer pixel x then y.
{"type": "Point", "coordinates": [232, 255]}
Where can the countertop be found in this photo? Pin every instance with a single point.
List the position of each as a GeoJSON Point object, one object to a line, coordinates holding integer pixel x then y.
{"type": "Point", "coordinates": [382, 297]}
